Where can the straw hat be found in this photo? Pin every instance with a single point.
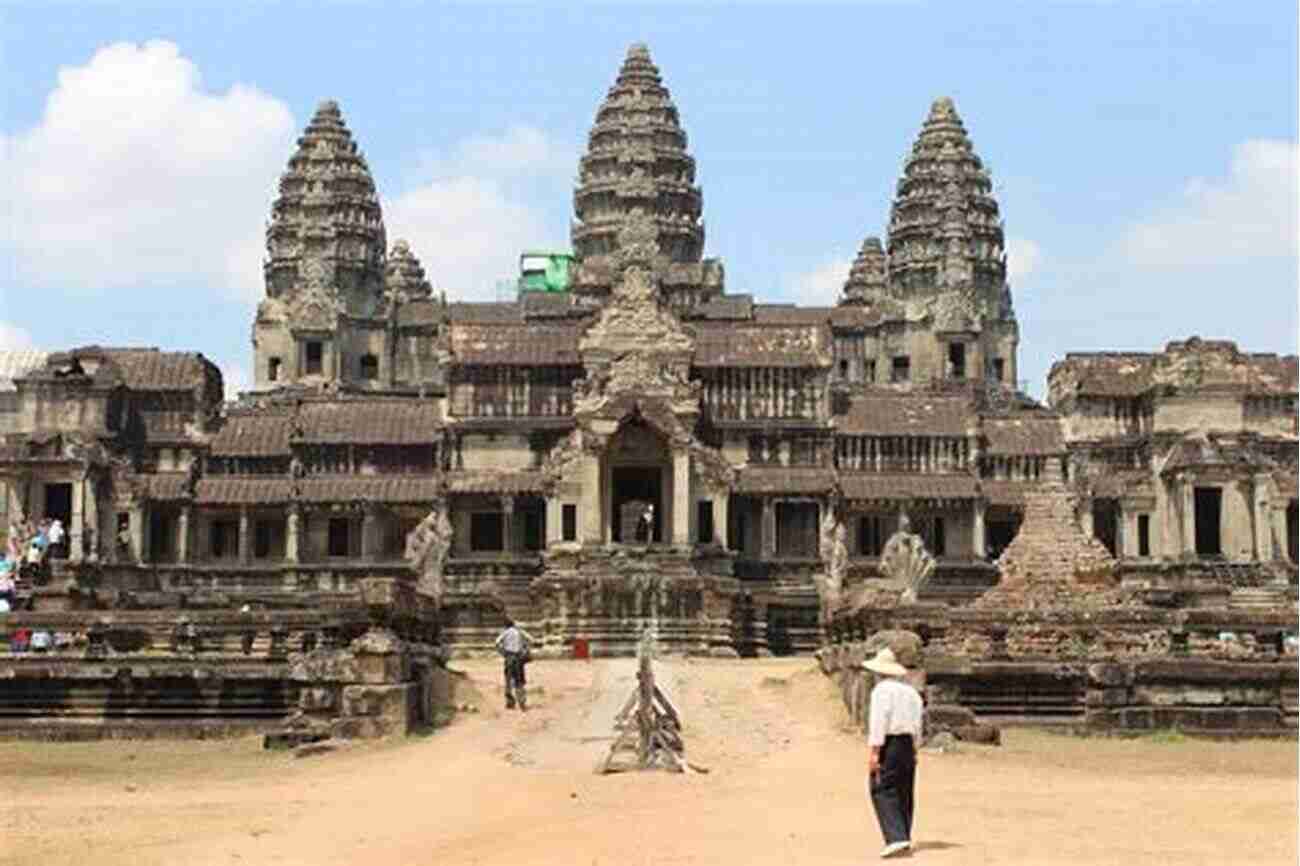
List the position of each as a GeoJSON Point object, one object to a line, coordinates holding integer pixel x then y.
{"type": "Point", "coordinates": [885, 663]}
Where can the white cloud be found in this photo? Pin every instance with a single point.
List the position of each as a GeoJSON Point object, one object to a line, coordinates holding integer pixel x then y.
{"type": "Point", "coordinates": [14, 338]}
{"type": "Point", "coordinates": [468, 224]}
{"type": "Point", "coordinates": [821, 286]}
{"type": "Point", "coordinates": [135, 175]}
{"type": "Point", "coordinates": [1248, 215]}
{"type": "Point", "coordinates": [1023, 256]}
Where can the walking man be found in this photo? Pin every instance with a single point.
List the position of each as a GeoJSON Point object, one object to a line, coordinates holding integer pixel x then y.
{"type": "Point", "coordinates": [515, 646]}
{"type": "Point", "coordinates": [894, 735]}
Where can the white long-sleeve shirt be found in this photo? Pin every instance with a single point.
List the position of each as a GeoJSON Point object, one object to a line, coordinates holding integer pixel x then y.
{"type": "Point", "coordinates": [513, 640]}
{"type": "Point", "coordinates": [895, 709]}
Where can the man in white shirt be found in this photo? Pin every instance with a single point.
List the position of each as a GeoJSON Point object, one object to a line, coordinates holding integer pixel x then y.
{"type": "Point", "coordinates": [894, 735]}
{"type": "Point", "coordinates": [515, 646]}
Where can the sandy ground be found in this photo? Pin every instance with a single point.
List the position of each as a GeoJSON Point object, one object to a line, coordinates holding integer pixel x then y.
{"type": "Point", "coordinates": [785, 785]}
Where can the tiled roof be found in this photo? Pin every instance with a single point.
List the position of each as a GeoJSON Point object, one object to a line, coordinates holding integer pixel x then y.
{"type": "Point", "coordinates": [1188, 364]}
{"type": "Point", "coordinates": [727, 307]}
{"type": "Point", "coordinates": [783, 479]}
{"type": "Point", "coordinates": [904, 414]}
{"type": "Point", "coordinates": [788, 314]}
{"type": "Point", "coordinates": [551, 305]}
{"type": "Point", "coordinates": [1024, 434]}
{"type": "Point", "coordinates": [261, 435]}
{"type": "Point", "coordinates": [395, 489]}
{"type": "Point", "coordinates": [484, 312]}
{"type": "Point", "coordinates": [899, 486]}
{"type": "Point", "coordinates": [491, 481]}
{"type": "Point", "coordinates": [1117, 483]}
{"type": "Point", "coordinates": [154, 370]}
{"type": "Point", "coordinates": [242, 491]}
{"type": "Point", "coordinates": [735, 344]}
{"type": "Point", "coordinates": [852, 316]}
{"type": "Point", "coordinates": [390, 422]}
{"type": "Point", "coordinates": [18, 362]}
{"type": "Point", "coordinates": [533, 344]}
{"type": "Point", "coordinates": [166, 486]}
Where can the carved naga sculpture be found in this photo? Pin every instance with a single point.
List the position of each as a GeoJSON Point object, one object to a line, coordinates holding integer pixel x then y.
{"type": "Point", "coordinates": [426, 551]}
{"type": "Point", "coordinates": [906, 561]}
{"type": "Point", "coordinates": [835, 553]}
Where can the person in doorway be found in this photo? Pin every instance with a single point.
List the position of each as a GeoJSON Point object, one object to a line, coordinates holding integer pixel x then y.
{"type": "Point", "coordinates": [647, 528]}
{"type": "Point", "coordinates": [894, 736]}
{"type": "Point", "coordinates": [56, 536]}
{"type": "Point", "coordinates": [515, 646]}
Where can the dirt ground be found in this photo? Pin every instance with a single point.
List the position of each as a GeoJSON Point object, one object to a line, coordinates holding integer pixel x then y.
{"type": "Point", "coordinates": [785, 785]}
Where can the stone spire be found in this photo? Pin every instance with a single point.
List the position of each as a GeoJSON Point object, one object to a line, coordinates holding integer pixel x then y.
{"type": "Point", "coordinates": [866, 282]}
{"type": "Point", "coordinates": [945, 235]}
{"type": "Point", "coordinates": [404, 278]}
{"type": "Point", "coordinates": [326, 235]}
{"type": "Point", "coordinates": [636, 159]}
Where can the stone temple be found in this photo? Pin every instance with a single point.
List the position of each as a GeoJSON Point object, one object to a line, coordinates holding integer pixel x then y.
{"type": "Point", "coordinates": [644, 450]}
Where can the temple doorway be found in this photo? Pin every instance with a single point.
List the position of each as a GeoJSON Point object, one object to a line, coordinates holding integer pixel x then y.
{"type": "Point", "coordinates": [635, 488]}
{"type": "Point", "coordinates": [1209, 512]}
{"type": "Point", "coordinates": [58, 506]}
{"type": "Point", "coordinates": [1293, 531]}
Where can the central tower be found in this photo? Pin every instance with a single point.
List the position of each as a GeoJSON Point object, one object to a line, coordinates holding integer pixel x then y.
{"type": "Point", "coordinates": [636, 161]}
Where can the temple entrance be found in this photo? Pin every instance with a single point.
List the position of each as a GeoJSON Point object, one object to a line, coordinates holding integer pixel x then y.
{"type": "Point", "coordinates": [58, 506]}
{"type": "Point", "coordinates": [638, 474]}
{"type": "Point", "coordinates": [635, 488]}
{"type": "Point", "coordinates": [1292, 531]}
{"type": "Point", "coordinates": [1209, 511]}
{"type": "Point", "coordinates": [999, 532]}
{"type": "Point", "coordinates": [1105, 523]}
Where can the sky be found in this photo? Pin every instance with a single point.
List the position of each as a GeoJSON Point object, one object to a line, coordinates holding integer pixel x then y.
{"type": "Point", "coordinates": [1144, 154]}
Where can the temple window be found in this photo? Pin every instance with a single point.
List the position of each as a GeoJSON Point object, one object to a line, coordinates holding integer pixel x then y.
{"type": "Point", "coordinates": [796, 529]}
{"type": "Point", "coordinates": [486, 532]}
{"type": "Point", "coordinates": [315, 353]}
{"type": "Point", "coordinates": [957, 360]}
{"type": "Point", "coordinates": [1105, 523]}
{"type": "Point", "coordinates": [569, 522]}
{"type": "Point", "coordinates": [338, 536]}
{"type": "Point", "coordinates": [901, 371]}
{"type": "Point", "coordinates": [1144, 535]}
{"type": "Point", "coordinates": [999, 369]}
{"type": "Point", "coordinates": [844, 369]}
{"type": "Point", "coordinates": [704, 520]}
{"type": "Point", "coordinates": [1292, 531]}
{"type": "Point", "coordinates": [369, 367]}
{"type": "Point", "coordinates": [223, 538]}
{"type": "Point", "coordinates": [871, 535]}
{"type": "Point", "coordinates": [1208, 509]}
{"type": "Point", "coordinates": [273, 370]}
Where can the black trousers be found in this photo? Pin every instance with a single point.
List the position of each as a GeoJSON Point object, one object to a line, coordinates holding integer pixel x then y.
{"type": "Point", "coordinates": [891, 788]}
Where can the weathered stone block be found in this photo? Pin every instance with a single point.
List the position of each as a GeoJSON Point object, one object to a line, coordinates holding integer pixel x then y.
{"type": "Point", "coordinates": [374, 668]}
{"type": "Point", "coordinates": [979, 733]}
{"type": "Point", "coordinates": [949, 717]}
{"type": "Point", "coordinates": [318, 698]}
{"type": "Point", "coordinates": [395, 706]}
{"type": "Point", "coordinates": [1110, 674]}
{"type": "Point", "coordinates": [1138, 719]}
{"type": "Point", "coordinates": [1259, 718]}
{"type": "Point", "coordinates": [322, 666]}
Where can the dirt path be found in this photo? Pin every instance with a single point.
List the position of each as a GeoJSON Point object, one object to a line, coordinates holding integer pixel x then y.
{"type": "Point", "coordinates": [785, 786]}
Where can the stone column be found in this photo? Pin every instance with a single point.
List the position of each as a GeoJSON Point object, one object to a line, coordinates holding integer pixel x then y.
{"type": "Point", "coordinates": [590, 506]}
{"type": "Point", "coordinates": [1121, 530]}
{"type": "Point", "coordinates": [77, 521]}
{"type": "Point", "coordinates": [1262, 517]}
{"type": "Point", "coordinates": [508, 524]}
{"type": "Point", "coordinates": [92, 521]}
{"type": "Point", "coordinates": [721, 516]}
{"type": "Point", "coordinates": [767, 533]}
{"type": "Point", "coordinates": [183, 535]}
{"type": "Point", "coordinates": [369, 531]}
{"type": "Point", "coordinates": [681, 497]}
{"type": "Point", "coordinates": [245, 536]}
{"type": "Point", "coordinates": [1189, 519]}
{"type": "Point", "coordinates": [293, 535]}
{"type": "Point", "coordinates": [1085, 519]}
{"type": "Point", "coordinates": [138, 527]}
{"type": "Point", "coordinates": [554, 520]}
{"type": "Point", "coordinates": [977, 530]}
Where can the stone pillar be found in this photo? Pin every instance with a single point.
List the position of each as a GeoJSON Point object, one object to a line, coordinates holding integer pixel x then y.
{"type": "Point", "coordinates": [1189, 519]}
{"type": "Point", "coordinates": [1085, 519]}
{"type": "Point", "coordinates": [1121, 530]}
{"type": "Point", "coordinates": [369, 532]}
{"type": "Point", "coordinates": [138, 527]}
{"type": "Point", "coordinates": [77, 521]}
{"type": "Point", "coordinates": [681, 497]}
{"type": "Point", "coordinates": [977, 530]}
{"type": "Point", "coordinates": [92, 521]}
{"type": "Point", "coordinates": [293, 535]}
{"type": "Point", "coordinates": [767, 534]}
{"type": "Point", "coordinates": [508, 524]}
{"type": "Point", "coordinates": [554, 520]}
{"type": "Point", "coordinates": [590, 506]}
{"type": "Point", "coordinates": [1262, 519]}
{"type": "Point", "coordinates": [721, 516]}
{"type": "Point", "coordinates": [183, 535]}
{"type": "Point", "coordinates": [245, 536]}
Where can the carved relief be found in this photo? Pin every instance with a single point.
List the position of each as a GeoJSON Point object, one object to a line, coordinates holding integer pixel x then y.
{"type": "Point", "coordinates": [427, 547]}
{"type": "Point", "coordinates": [905, 560]}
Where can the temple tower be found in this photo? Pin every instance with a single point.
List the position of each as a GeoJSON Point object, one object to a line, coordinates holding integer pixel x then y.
{"type": "Point", "coordinates": [941, 290]}
{"type": "Point", "coordinates": [636, 160]}
{"type": "Point", "coordinates": [325, 261]}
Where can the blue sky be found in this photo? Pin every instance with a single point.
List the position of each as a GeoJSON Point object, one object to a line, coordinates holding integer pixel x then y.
{"type": "Point", "coordinates": [1144, 154]}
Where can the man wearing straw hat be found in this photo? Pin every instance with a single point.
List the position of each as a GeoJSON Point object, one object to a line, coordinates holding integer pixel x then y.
{"type": "Point", "coordinates": [894, 735]}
